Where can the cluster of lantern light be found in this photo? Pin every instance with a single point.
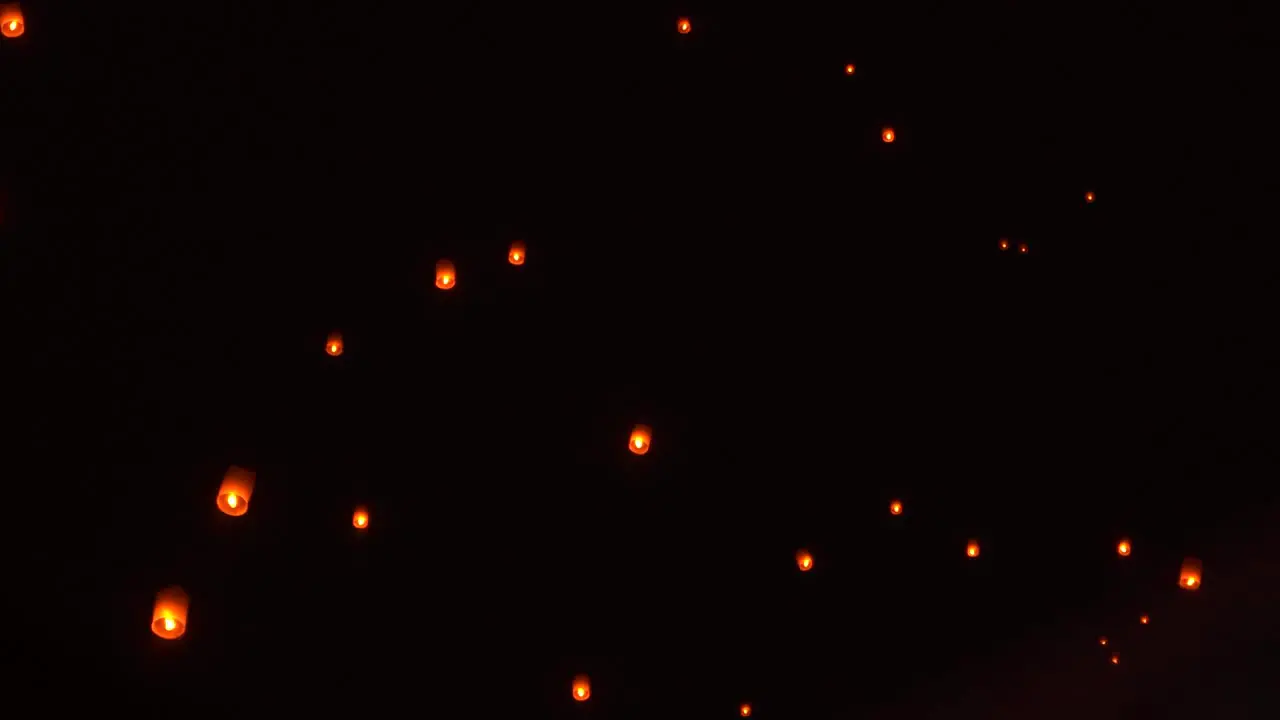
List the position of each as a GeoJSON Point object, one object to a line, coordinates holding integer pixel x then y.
{"type": "Point", "coordinates": [12, 22]}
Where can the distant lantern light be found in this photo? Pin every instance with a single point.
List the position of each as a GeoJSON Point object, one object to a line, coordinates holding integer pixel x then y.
{"type": "Point", "coordinates": [1102, 640]}
{"type": "Point", "coordinates": [1115, 658]}
{"type": "Point", "coordinates": [1123, 548]}
{"type": "Point", "coordinates": [169, 616]}
{"type": "Point", "coordinates": [745, 710]}
{"type": "Point", "coordinates": [887, 135]}
{"type": "Point", "coordinates": [333, 344]}
{"type": "Point", "coordinates": [804, 560]}
{"type": "Point", "coordinates": [849, 69]}
{"type": "Point", "coordinates": [683, 26]}
{"type": "Point", "coordinates": [1143, 620]}
{"type": "Point", "coordinates": [895, 507]}
{"type": "Point", "coordinates": [1089, 196]}
{"type": "Point", "coordinates": [516, 254]}
{"type": "Point", "coordinates": [1004, 243]}
{"type": "Point", "coordinates": [1023, 249]}
{"type": "Point", "coordinates": [236, 489]}
{"type": "Point", "coordinates": [1190, 577]}
{"type": "Point", "coordinates": [581, 688]}
{"type": "Point", "coordinates": [641, 437]}
{"type": "Point", "coordinates": [12, 23]}
{"type": "Point", "coordinates": [446, 276]}
{"type": "Point", "coordinates": [972, 549]}
{"type": "Point", "coordinates": [360, 518]}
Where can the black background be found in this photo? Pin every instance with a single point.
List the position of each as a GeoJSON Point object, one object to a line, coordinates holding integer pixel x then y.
{"type": "Point", "coordinates": [813, 322]}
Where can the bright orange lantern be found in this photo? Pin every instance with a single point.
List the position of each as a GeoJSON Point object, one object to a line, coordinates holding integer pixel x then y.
{"type": "Point", "coordinates": [333, 344]}
{"type": "Point", "coordinates": [1144, 620]}
{"type": "Point", "coordinates": [237, 488]}
{"type": "Point", "coordinates": [1088, 197]}
{"type": "Point", "coordinates": [1189, 578]}
{"type": "Point", "coordinates": [360, 518]}
{"type": "Point", "coordinates": [1115, 658]}
{"type": "Point", "coordinates": [1004, 243]}
{"type": "Point", "coordinates": [516, 254]}
{"type": "Point", "coordinates": [1022, 248]}
{"type": "Point", "coordinates": [895, 507]}
{"type": "Point", "coordinates": [849, 69]}
{"type": "Point", "coordinates": [446, 276]}
{"type": "Point", "coordinates": [972, 549]}
{"type": "Point", "coordinates": [641, 436]}
{"type": "Point", "coordinates": [683, 26]}
{"type": "Point", "coordinates": [1102, 640]}
{"type": "Point", "coordinates": [745, 710]}
{"type": "Point", "coordinates": [12, 24]}
{"type": "Point", "coordinates": [169, 616]}
{"type": "Point", "coordinates": [887, 135]}
{"type": "Point", "coordinates": [804, 560]}
{"type": "Point", "coordinates": [581, 688]}
{"type": "Point", "coordinates": [1123, 548]}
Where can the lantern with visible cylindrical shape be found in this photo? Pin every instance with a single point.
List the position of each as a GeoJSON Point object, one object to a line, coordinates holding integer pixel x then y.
{"type": "Point", "coordinates": [1189, 578]}
{"type": "Point", "coordinates": [1123, 548]}
{"type": "Point", "coordinates": [236, 489]}
{"type": "Point", "coordinates": [895, 507]}
{"type": "Point", "coordinates": [12, 23]}
{"type": "Point", "coordinates": [972, 549]}
{"type": "Point", "coordinates": [745, 710]}
{"type": "Point", "coordinates": [683, 26]}
{"type": "Point", "coordinates": [888, 135]}
{"type": "Point", "coordinates": [446, 276]}
{"type": "Point", "coordinates": [360, 518]}
{"type": "Point", "coordinates": [804, 560]}
{"type": "Point", "coordinates": [581, 688]}
{"type": "Point", "coordinates": [333, 344]}
{"type": "Point", "coordinates": [516, 254]}
{"type": "Point", "coordinates": [641, 437]}
{"type": "Point", "coordinates": [849, 69]}
{"type": "Point", "coordinates": [169, 616]}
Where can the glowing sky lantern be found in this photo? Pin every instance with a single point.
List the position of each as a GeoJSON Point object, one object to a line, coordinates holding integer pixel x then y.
{"type": "Point", "coordinates": [333, 344]}
{"type": "Point", "coordinates": [972, 549]}
{"type": "Point", "coordinates": [888, 135]}
{"type": "Point", "coordinates": [581, 688]}
{"type": "Point", "coordinates": [12, 23]}
{"type": "Point", "coordinates": [1023, 249]}
{"type": "Point", "coordinates": [850, 69]}
{"type": "Point", "coordinates": [683, 26]}
{"type": "Point", "coordinates": [236, 489]}
{"type": "Point", "coordinates": [1189, 578]}
{"type": "Point", "coordinates": [641, 437]}
{"type": "Point", "coordinates": [1089, 197]}
{"type": "Point", "coordinates": [804, 560]}
{"type": "Point", "coordinates": [1115, 658]}
{"type": "Point", "coordinates": [516, 254]}
{"type": "Point", "coordinates": [745, 710]}
{"type": "Point", "coordinates": [446, 276]}
{"type": "Point", "coordinates": [895, 507]}
{"type": "Point", "coordinates": [1123, 548]}
{"type": "Point", "coordinates": [360, 518]}
{"type": "Point", "coordinates": [169, 616]}
{"type": "Point", "coordinates": [1144, 620]}
{"type": "Point", "coordinates": [1004, 243]}
{"type": "Point", "coordinates": [1102, 640]}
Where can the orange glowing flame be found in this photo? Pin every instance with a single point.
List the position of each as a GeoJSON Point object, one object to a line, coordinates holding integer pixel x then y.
{"type": "Point", "coordinates": [360, 518]}
{"type": "Point", "coordinates": [516, 254]}
{"type": "Point", "coordinates": [745, 710]}
{"type": "Point", "coordinates": [895, 507]}
{"type": "Point", "coordinates": [683, 26]}
{"type": "Point", "coordinates": [1189, 578]}
{"type": "Point", "coordinates": [1115, 658]}
{"type": "Point", "coordinates": [641, 437]}
{"type": "Point", "coordinates": [1123, 547]}
{"type": "Point", "coordinates": [1089, 197]}
{"type": "Point", "coordinates": [972, 549]}
{"type": "Point", "coordinates": [1004, 243]}
{"type": "Point", "coordinates": [446, 276]}
{"type": "Point", "coordinates": [804, 560]}
{"type": "Point", "coordinates": [169, 615]}
{"type": "Point", "coordinates": [236, 490]}
{"type": "Point", "coordinates": [12, 23]}
{"type": "Point", "coordinates": [849, 69]}
{"type": "Point", "coordinates": [887, 135]}
{"type": "Point", "coordinates": [581, 688]}
{"type": "Point", "coordinates": [333, 345]}
{"type": "Point", "coordinates": [1144, 620]}
{"type": "Point", "coordinates": [1022, 248]}
{"type": "Point", "coordinates": [1102, 640]}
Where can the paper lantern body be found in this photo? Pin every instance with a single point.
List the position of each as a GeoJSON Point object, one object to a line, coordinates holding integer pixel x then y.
{"type": "Point", "coordinates": [888, 135]}
{"type": "Point", "coordinates": [1144, 620]}
{"type": "Point", "coordinates": [1089, 197]}
{"type": "Point", "coordinates": [12, 23]}
{"type": "Point", "coordinates": [745, 710]}
{"type": "Point", "coordinates": [1190, 577]}
{"type": "Point", "coordinates": [1123, 548]}
{"type": "Point", "coordinates": [683, 26]}
{"type": "Point", "coordinates": [804, 560]}
{"type": "Point", "coordinates": [360, 518]}
{"type": "Point", "coordinates": [1004, 243]}
{"type": "Point", "coordinates": [1102, 640]}
{"type": "Point", "coordinates": [446, 276]}
{"type": "Point", "coordinates": [333, 344]}
{"type": "Point", "coordinates": [895, 507]}
{"type": "Point", "coordinates": [641, 437]}
{"type": "Point", "coordinates": [236, 490]}
{"type": "Point", "coordinates": [516, 254]}
{"type": "Point", "coordinates": [849, 69]}
{"type": "Point", "coordinates": [169, 616]}
{"type": "Point", "coordinates": [581, 688]}
{"type": "Point", "coordinates": [972, 549]}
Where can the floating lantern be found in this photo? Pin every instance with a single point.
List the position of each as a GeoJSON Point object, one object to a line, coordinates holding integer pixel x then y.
{"type": "Point", "coordinates": [641, 436]}
{"type": "Point", "coordinates": [516, 254]}
{"type": "Point", "coordinates": [683, 26]}
{"type": "Point", "coordinates": [849, 69]}
{"type": "Point", "coordinates": [1102, 640]}
{"type": "Point", "coordinates": [1123, 548]}
{"type": "Point", "coordinates": [1088, 197]}
{"type": "Point", "coordinates": [333, 345]}
{"type": "Point", "coordinates": [1023, 249]}
{"type": "Point", "coordinates": [169, 616]}
{"type": "Point", "coordinates": [1115, 658]}
{"type": "Point", "coordinates": [12, 23]}
{"type": "Point", "coordinates": [745, 710]}
{"type": "Point", "coordinates": [446, 276]}
{"type": "Point", "coordinates": [1004, 243]}
{"type": "Point", "coordinates": [237, 488]}
{"type": "Point", "coordinates": [972, 549]}
{"type": "Point", "coordinates": [360, 518]}
{"type": "Point", "coordinates": [887, 135]}
{"type": "Point", "coordinates": [581, 688]}
{"type": "Point", "coordinates": [1190, 578]}
{"type": "Point", "coordinates": [1144, 620]}
{"type": "Point", "coordinates": [804, 560]}
{"type": "Point", "coordinates": [895, 507]}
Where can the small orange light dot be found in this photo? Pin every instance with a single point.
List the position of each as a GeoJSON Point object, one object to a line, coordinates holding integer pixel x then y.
{"type": "Point", "coordinates": [1088, 197]}
{"type": "Point", "coordinates": [1102, 640]}
{"type": "Point", "coordinates": [1004, 244]}
{"type": "Point", "coordinates": [1144, 619]}
{"type": "Point", "coordinates": [1115, 658]}
{"type": "Point", "coordinates": [1022, 248]}
{"type": "Point", "coordinates": [849, 69]}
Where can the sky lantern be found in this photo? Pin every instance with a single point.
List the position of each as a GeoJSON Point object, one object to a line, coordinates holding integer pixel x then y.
{"type": "Point", "coordinates": [581, 688]}
{"type": "Point", "coordinates": [972, 549]}
{"type": "Point", "coordinates": [169, 616]}
{"type": "Point", "coordinates": [1004, 243]}
{"type": "Point", "coordinates": [236, 489]}
{"type": "Point", "coordinates": [1102, 640]}
{"type": "Point", "coordinates": [1115, 658]}
{"type": "Point", "coordinates": [641, 436]}
{"type": "Point", "coordinates": [895, 507]}
{"type": "Point", "coordinates": [333, 344]}
{"type": "Point", "coordinates": [804, 560]}
{"type": "Point", "coordinates": [1023, 249]}
{"type": "Point", "coordinates": [360, 518]}
{"type": "Point", "coordinates": [887, 135]}
{"type": "Point", "coordinates": [446, 276]}
{"type": "Point", "coordinates": [683, 26]}
{"type": "Point", "coordinates": [12, 24]}
{"type": "Point", "coordinates": [1189, 578]}
{"type": "Point", "coordinates": [849, 69]}
{"type": "Point", "coordinates": [1123, 548]}
{"type": "Point", "coordinates": [516, 254]}
{"type": "Point", "coordinates": [1143, 620]}
{"type": "Point", "coordinates": [745, 710]}
{"type": "Point", "coordinates": [1089, 196]}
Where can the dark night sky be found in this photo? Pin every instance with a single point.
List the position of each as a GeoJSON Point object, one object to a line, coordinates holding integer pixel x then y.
{"type": "Point", "coordinates": [812, 321]}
